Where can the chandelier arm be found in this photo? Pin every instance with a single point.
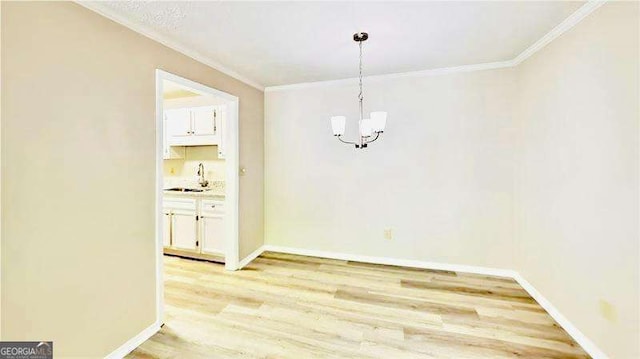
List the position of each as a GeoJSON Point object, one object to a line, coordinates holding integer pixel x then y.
{"type": "Point", "coordinates": [347, 142]}
{"type": "Point", "coordinates": [375, 138]}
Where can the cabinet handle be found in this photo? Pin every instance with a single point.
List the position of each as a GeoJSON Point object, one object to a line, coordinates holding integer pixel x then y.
{"type": "Point", "coordinates": [215, 127]}
{"type": "Point", "coordinates": [191, 121]}
{"type": "Point", "coordinates": [170, 229]}
{"type": "Point", "coordinates": [213, 206]}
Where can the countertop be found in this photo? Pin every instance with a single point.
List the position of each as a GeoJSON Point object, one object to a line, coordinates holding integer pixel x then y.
{"type": "Point", "coordinates": [215, 190]}
{"type": "Point", "coordinates": [212, 193]}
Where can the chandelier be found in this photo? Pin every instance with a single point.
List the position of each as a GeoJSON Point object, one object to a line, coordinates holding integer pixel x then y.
{"type": "Point", "coordinates": [370, 128]}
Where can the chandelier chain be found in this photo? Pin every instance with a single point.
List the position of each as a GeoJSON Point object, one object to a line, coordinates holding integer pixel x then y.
{"type": "Point", "coordinates": [360, 95]}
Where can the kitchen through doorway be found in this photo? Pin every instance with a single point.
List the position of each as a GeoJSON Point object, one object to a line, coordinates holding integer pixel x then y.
{"type": "Point", "coordinates": [196, 175]}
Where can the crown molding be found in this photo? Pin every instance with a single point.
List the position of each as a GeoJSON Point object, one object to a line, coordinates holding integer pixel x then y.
{"type": "Point", "coordinates": [560, 29]}
{"type": "Point", "coordinates": [564, 26]}
{"type": "Point", "coordinates": [96, 7]}
{"type": "Point", "coordinates": [378, 78]}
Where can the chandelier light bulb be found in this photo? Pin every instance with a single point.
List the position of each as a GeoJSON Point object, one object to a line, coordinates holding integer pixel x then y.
{"type": "Point", "coordinates": [378, 121]}
{"type": "Point", "coordinates": [338, 125]}
{"type": "Point", "coordinates": [365, 127]}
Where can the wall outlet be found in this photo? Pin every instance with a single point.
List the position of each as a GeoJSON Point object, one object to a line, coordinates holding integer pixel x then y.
{"type": "Point", "coordinates": [608, 311]}
{"type": "Point", "coordinates": [388, 234]}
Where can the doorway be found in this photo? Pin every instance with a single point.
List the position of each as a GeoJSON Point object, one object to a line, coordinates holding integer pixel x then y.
{"type": "Point", "coordinates": [186, 131]}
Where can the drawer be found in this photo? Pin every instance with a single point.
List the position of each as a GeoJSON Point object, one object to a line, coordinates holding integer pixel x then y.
{"type": "Point", "coordinates": [179, 203]}
{"type": "Point", "coordinates": [211, 206]}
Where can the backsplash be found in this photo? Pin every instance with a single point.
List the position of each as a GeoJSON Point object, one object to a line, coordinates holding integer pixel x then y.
{"type": "Point", "coordinates": [184, 172]}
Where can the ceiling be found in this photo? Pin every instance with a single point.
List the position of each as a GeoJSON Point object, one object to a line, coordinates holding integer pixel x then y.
{"type": "Point", "coordinates": [171, 90]}
{"type": "Point", "coordinates": [278, 43]}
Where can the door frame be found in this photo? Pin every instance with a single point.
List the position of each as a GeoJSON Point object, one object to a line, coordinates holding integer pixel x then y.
{"type": "Point", "coordinates": [232, 155]}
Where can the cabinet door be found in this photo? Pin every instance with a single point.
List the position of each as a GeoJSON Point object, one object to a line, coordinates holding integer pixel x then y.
{"type": "Point", "coordinates": [166, 229]}
{"type": "Point", "coordinates": [212, 234]}
{"type": "Point", "coordinates": [169, 152]}
{"type": "Point", "coordinates": [178, 123]}
{"type": "Point", "coordinates": [183, 231]}
{"type": "Point", "coordinates": [222, 118]}
{"type": "Point", "coordinates": [205, 120]}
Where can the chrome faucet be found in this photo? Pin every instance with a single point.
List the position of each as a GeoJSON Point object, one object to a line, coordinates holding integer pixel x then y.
{"type": "Point", "coordinates": [203, 182]}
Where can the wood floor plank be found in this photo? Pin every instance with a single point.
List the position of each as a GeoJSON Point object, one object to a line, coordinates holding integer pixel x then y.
{"type": "Point", "coordinates": [289, 306]}
{"type": "Point", "coordinates": [402, 303]}
{"type": "Point", "coordinates": [494, 292]}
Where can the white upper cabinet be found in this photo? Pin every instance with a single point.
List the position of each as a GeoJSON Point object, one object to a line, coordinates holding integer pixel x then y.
{"type": "Point", "coordinates": [170, 152]}
{"type": "Point", "coordinates": [178, 122]}
{"type": "Point", "coordinates": [194, 126]}
{"type": "Point", "coordinates": [204, 120]}
{"type": "Point", "coordinates": [220, 129]}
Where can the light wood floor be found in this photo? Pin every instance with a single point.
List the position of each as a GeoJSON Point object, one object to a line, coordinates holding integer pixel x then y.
{"type": "Point", "coordinates": [286, 306]}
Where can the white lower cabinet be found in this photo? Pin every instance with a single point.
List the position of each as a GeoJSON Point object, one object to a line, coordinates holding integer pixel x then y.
{"type": "Point", "coordinates": [184, 231]}
{"type": "Point", "coordinates": [194, 227]}
{"type": "Point", "coordinates": [166, 228]}
{"type": "Point", "coordinates": [212, 234]}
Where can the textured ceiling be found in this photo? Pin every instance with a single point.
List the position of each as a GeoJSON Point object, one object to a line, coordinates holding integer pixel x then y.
{"type": "Point", "coordinates": [276, 43]}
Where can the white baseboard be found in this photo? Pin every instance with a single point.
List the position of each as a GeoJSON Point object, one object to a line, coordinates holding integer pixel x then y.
{"type": "Point", "coordinates": [573, 331]}
{"type": "Point", "coordinates": [134, 342]}
{"type": "Point", "coordinates": [393, 261]}
{"type": "Point", "coordinates": [250, 257]}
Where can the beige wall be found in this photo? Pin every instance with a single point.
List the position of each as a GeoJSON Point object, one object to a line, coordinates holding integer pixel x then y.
{"type": "Point", "coordinates": [577, 179]}
{"type": "Point", "coordinates": [533, 168]}
{"type": "Point", "coordinates": [78, 155]}
{"type": "Point", "coordinates": [441, 176]}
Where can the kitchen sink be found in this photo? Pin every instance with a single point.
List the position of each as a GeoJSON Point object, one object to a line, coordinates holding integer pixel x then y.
{"type": "Point", "coordinates": [180, 189]}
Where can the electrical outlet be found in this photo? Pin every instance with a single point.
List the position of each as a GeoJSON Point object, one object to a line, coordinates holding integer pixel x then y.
{"type": "Point", "coordinates": [608, 311]}
{"type": "Point", "coordinates": [388, 234]}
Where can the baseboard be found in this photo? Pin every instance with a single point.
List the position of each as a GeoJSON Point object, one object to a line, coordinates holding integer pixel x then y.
{"type": "Point", "coordinates": [147, 333]}
{"type": "Point", "coordinates": [393, 261]}
{"type": "Point", "coordinates": [250, 257]}
{"type": "Point", "coordinates": [571, 329]}
{"type": "Point", "coordinates": [134, 342]}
